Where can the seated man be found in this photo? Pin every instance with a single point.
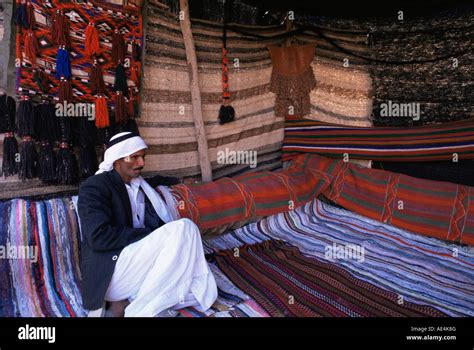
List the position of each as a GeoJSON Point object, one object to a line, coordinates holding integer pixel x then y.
{"type": "Point", "coordinates": [133, 253]}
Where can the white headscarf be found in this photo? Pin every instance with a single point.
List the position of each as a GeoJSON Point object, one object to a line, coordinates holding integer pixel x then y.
{"type": "Point", "coordinates": [124, 148]}
{"type": "Point", "coordinates": [120, 150]}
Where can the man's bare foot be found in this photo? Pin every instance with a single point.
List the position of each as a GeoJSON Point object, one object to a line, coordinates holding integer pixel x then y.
{"type": "Point", "coordinates": [117, 308]}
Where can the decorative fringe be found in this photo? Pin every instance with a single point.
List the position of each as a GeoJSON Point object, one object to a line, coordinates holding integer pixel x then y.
{"type": "Point", "coordinates": [121, 115]}
{"type": "Point", "coordinates": [96, 77]}
{"type": "Point", "coordinates": [41, 80]}
{"type": "Point", "coordinates": [65, 91]}
{"type": "Point", "coordinates": [118, 47]}
{"type": "Point", "coordinates": [25, 122]}
{"type": "Point", "coordinates": [28, 159]}
{"type": "Point", "coordinates": [101, 112]}
{"type": "Point", "coordinates": [31, 46]}
{"type": "Point", "coordinates": [120, 81]}
{"type": "Point", "coordinates": [292, 93]}
{"type": "Point", "coordinates": [135, 73]}
{"type": "Point", "coordinates": [59, 29]}
{"type": "Point", "coordinates": [92, 44]}
{"type": "Point", "coordinates": [47, 164]}
{"type": "Point", "coordinates": [10, 150]}
{"type": "Point", "coordinates": [63, 63]}
{"type": "Point", "coordinates": [66, 168]}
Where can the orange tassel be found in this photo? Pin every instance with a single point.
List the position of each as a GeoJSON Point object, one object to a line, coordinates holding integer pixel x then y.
{"type": "Point", "coordinates": [92, 44]}
{"type": "Point", "coordinates": [31, 46]}
{"type": "Point", "coordinates": [101, 112]}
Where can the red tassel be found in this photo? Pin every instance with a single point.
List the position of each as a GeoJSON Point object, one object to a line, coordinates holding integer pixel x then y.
{"type": "Point", "coordinates": [59, 29]}
{"type": "Point", "coordinates": [31, 46]}
{"type": "Point", "coordinates": [65, 91]}
{"type": "Point", "coordinates": [118, 47]}
{"type": "Point", "coordinates": [121, 116]}
{"type": "Point", "coordinates": [135, 71]}
{"type": "Point", "coordinates": [101, 112]}
{"type": "Point", "coordinates": [96, 77]}
{"type": "Point", "coordinates": [92, 44]}
{"type": "Point", "coordinates": [30, 14]}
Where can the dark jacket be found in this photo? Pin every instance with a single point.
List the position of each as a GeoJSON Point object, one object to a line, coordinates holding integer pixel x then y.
{"type": "Point", "coordinates": [107, 227]}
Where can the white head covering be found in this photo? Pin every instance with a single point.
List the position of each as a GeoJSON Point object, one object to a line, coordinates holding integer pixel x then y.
{"type": "Point", "coordinates": [120, 146]}
{"type": "Point", "coordinates": [125, 144]}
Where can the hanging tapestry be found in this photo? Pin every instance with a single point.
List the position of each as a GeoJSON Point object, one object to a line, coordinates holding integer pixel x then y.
{"type": "Point", "coordinates": [78, 17]}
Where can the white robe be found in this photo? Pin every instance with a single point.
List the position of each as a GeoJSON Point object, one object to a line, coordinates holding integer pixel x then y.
{"type": "Point", "coordinates": [164, 270]}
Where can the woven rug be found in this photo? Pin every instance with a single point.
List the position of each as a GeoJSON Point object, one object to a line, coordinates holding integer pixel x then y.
{"type": "Point", "coordinates": [44, 281]}
{"type": "Point", "coordinates": [419, 269]}
{"type": "Point", "coordinates": [422, 143]}
{"type": "Point", "coordinates": [287, 283]}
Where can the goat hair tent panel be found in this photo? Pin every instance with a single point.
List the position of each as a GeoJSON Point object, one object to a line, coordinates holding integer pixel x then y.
{"type": "Point", "coordinates": [423, 143]}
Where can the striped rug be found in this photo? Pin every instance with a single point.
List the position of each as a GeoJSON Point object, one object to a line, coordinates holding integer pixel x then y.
{"type": "Point", "coordinates": [287, 283]}
{"type": "Point", "coordinates": [423, 143]}
{"type": "Point", "coordinates": [417, 269]}
{"type": "Point", "coordinates": [44, 283]}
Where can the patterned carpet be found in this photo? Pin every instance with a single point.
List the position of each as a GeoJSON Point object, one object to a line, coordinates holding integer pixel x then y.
{"type": "Point", "coordinates": [401, 273]}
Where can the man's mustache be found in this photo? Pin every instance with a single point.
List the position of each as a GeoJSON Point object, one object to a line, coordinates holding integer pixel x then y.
{"type": "Point", "coordinates": [138, 168]}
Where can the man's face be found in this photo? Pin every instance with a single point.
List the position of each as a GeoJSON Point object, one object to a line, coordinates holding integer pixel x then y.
{"type": "Point", "coordinates": [132, 165]}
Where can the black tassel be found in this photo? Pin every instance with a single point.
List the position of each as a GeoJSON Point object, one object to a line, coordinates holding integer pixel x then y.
{"type": "Point", "coordinates": [10, 154]}
{"type": "Point", "coordinates": [28, 159]}
{"type": "Point", "coordinates": [10, 145]}
{"type": "Point", "coordinates": [132, 127]}
{"type": "Point", "coordinates": [66, 168]}
{"type": "Point", "coordinates": [226, 114]}
{"type": "Point", "coordinates": [120, 82]}
{"type": "Point", "coordinates": [25, 117]}
{"type": "Point", "coordinates": [47, 164]}
{"type": "Point", "coordinates": [48, 123]}
{"type": "Point", "coordinates": [66, 164]}
{"type": "Point", "coordinates": [87, 153]}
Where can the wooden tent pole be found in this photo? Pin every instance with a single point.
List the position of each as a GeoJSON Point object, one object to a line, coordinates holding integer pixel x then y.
{"type": "Point", "coordinates": [203, 151]}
